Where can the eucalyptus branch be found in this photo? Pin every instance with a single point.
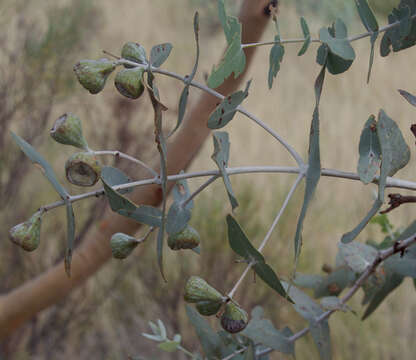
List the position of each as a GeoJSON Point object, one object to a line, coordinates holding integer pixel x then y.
{"type": "Point", "coordinates": [269, 233]}
{"type": "Point", "coordinates": [302, 40]}
{"type": "Point", "coordinates": [205, 88]}
{"type": "Point", "coordinates": [391, 182]}
{"type": "Point", "coordinates": [119, 154]}
{"type": "Point", "coordinates": [398, 247]}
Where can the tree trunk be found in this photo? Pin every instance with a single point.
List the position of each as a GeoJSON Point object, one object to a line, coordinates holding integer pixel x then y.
{"type": "Point", "coordinates": [24, 302]}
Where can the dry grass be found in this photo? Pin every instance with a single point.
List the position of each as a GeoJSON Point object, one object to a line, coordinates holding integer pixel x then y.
{"type": "Point", "coordinates": [115, 326]}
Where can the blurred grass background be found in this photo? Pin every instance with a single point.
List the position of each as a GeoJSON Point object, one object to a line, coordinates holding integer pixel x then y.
{"type": "Point", "coordinates": [105, 318]}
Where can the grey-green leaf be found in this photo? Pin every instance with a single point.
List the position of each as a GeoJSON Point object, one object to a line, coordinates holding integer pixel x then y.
{"type": "Point", "coordinates": [168, 346]}
{"type": "Point", "coordinates": [322, 339]}
{"type": "Point", "coordinates": [313, 173]}
{"type": "Point", "coordinates": [159, 54]}
{"type": "Point", "coordinates": [408, 96]}
{"type": "Point", "coordinates": [373, 39]}
{"type": "Point", "coordinates": [114, 176]}
{"type": "Point", "coordinates": [350, 236]}
{"type": "Point", "coordinates": [394, 150]}
{"type": "Point", "coordinates": [220, 156]}
{"type": "Point", "coordinates": [226, 110]}
{"type": "Point", "coordinates": [262, 331]}
{"type": "Point", "coordinates": [276, 56]}
{"type": "Point", "coordinates": [266, 273]}
{"type": "Point", "coordinates": [303, 304]}
{"type": "Point", "coordinates": [210, 341]}
{"type": "Point", "coordinates": [391, 283]}
{"type": "Point", "coordinates": [338, 45]}
{"type": "Point", "coordinates": [306, 34]}
{"type": "Point", "coordinates": [36, 158]}
{"type": "Point", "coordinates": [234, 61]}
{"type": "Point", "coordinates": [367, 16]}
{"type": "Point", "coordinates": [177, 218]}
{"type": "Point", "coordinates": [183, 100]}
{"type": "Point", "coordinates": [370, 152]}
{"type": "Point", "coordinates": [357, 256]}
{"type": "Point", "coordinates": [181, 192]}
{"type": "Point", "coordinates": [240, 243]}
{"type": "Point", "coordinates": [144, 214]}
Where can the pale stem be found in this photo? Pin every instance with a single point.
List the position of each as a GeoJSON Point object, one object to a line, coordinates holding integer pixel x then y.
{"type": "Point", "coordinates": [302, 40]}
{"type": "Point", "coordinates": [145, 236]}
{"type": "Point", "coordinates": [180, 347]}
{"type": "Point", "coordinates": [201, 188]}
{"type": "Point", "coordinates": [119, 154]}
{"type": "Point", "coordinates": [280, 213]}
{"type": "Point", "coordinates": [391, 182]}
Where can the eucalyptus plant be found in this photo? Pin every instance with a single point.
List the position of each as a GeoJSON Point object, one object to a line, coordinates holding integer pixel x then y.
{"type": "Point", "coordinates": [377, 268]}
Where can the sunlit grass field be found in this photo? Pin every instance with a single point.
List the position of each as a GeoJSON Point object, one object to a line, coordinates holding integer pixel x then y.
{"type": "Point", "coordinates": [127, 295]}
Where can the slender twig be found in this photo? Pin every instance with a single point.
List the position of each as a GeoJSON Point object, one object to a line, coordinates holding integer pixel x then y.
{"type": "Point", "coordinates": [382, 256]}
{"type": "Point", "coordinates": [235, 353]}
{"type": "Point", "coordinates": [280, 213]}
{"type": "Point", "coordinates": [302, 40]}
{"type": "Point", "coordinates": [267, 237]}
{"type": "Point", "coordinates": [122, 155]}
{"type": "Point", "coordinates": [205, 88]}
{"type": "Point", "coordinates": [201, 188]}
{"type": "Point", "coordinates": [391, 182]}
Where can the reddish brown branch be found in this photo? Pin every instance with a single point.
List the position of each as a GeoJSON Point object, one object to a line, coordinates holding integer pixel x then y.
{"type": "Point", "coordinates": [396, 200]}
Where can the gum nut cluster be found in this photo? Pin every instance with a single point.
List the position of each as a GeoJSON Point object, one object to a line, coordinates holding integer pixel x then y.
{"type": "Point", "coordinates": [188, 238]}
{"type": "Point", "coordinates": [27, 234]}
{"type": "Point", "coordinates": [67, 130]}
{"type": "Point", "coordinates": [129, 82]}
{"type": "Point", "coordinates": [83, 169]}
{"type": "Point", "coordinates": [134, 52]}
{"type": "Point", "coordinates": [234, 319]}
{"type": "Point", "coordinates": [207, 299]}
{"type": "Point", "coordinates": [92, 74]}
{"type": "Point", "coordinates": [122, 245]}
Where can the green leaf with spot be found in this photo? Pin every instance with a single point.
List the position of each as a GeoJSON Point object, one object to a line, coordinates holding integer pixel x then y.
{"type": "Point", "coordinates": [159, 54]}
{"type": "Point", "coordinates": [226, 110]}
{"type": "Point", "coordinates": [220, 156]}
{"type": "Point", "coordinates": [370, 152]}
{"type": "Point", "coordinates": [177, 218]}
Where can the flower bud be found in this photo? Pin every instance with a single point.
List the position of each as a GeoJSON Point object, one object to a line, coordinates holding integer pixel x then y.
{"type": "Point", "coordinates": [234, 319]}
{"type": "Point", "coordinates": [92, 74]}
{"type": "Point", "coordinates": [122, 245]}
{"type": "Point", "coordinates": [134, 52]}
{"type": "Point", "coordinates": [208, 307]}
{"type": "Point", "coordinates": [83, 169]}
{"type": "Point", "coordinates": [129, 82]}
{"type": "Point", "coordinates": [27, 234]}
{"type": "Point", "coordinates": [68, 130]}
{"type": "Point", "coordinates": [197, 289]}
{"type": "Point", "coordinates": [188, 238]}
